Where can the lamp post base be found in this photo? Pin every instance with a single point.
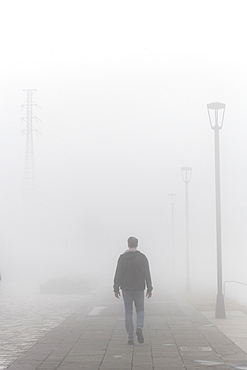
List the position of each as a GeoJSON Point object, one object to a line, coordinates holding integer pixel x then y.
{"type": "Point", "coordinates": [220, 312]}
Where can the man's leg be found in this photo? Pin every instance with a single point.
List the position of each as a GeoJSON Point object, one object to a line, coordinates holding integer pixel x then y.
{"type": "Point", "coordinates": [139, 305]}
{"type": "Point", "coordinates": [128, 305]}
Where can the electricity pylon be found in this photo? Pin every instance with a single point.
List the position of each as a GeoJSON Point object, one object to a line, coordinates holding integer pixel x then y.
{"type": "Point", "coordinates": [29, 188]}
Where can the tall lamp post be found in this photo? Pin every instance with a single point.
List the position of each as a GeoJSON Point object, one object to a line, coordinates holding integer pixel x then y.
{"type": "Point", "coordinates": [186, 175]}
{"type": "Point", "coordinates": [216, 113]}
{"type": "Point", "coordinates": [172, 199]}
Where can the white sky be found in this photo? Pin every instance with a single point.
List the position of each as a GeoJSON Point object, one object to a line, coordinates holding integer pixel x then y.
{"type": "Point", "coordinates": [123, 88]}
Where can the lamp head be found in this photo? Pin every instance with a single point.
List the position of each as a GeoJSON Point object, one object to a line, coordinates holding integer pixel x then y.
{"type": "Point", "coordinates": [216, 112]}
{"type": "Point", "coordinates": [172, 198]}
{"type": "Point", "coordinates": [186, 174]}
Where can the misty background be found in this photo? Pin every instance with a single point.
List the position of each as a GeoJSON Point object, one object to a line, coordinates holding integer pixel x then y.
{"type": "Point", "coordinates": [122, 89]}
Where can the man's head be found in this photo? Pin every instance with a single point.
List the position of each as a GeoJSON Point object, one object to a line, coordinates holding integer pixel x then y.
{"type": "Point", "coordinates": [132, 242]}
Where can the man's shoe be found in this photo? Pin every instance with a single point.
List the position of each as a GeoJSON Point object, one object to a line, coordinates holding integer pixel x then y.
{"type": "Point", "coordinates": [139, 335]}
{"type": "Point", "coordinates": [130, 341]}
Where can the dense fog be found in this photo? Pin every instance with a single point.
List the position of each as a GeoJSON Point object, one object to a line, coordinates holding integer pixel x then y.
{"type": "Point", "coordinates": [122, 89]}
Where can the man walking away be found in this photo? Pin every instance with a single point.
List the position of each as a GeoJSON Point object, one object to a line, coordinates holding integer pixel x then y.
{"type": "Point", "coordinates": [132, 276]}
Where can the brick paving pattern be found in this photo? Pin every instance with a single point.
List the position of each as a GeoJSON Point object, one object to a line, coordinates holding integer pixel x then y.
{"type": "Point", "coordinates": [25, 318]}
{"type": "Point", "coordinates": [177, 337]}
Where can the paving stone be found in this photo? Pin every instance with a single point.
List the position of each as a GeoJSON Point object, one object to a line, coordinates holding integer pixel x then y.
{"type": "Point", "coordinates": [49, 365]}
{"type": "Point", "coordinates": [170, 367]}
{"type": "Point", "coordinates": [114, 366]}
{"type": "Point", "coordinates": [79, 340]}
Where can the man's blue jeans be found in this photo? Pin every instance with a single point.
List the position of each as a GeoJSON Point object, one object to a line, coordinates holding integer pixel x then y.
{"type": "Point", "coordinates": [136, 296]}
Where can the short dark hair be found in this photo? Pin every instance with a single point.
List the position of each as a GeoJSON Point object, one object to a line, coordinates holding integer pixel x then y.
{"type": "Point", "coordinates": [132, 242]}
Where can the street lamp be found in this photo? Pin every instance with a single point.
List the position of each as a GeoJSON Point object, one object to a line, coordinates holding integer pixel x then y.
{"type": "Point", "coordinates": [172, 199]}
{"type": "Point", "coordinates": [186, 175]}
{"type": "Point", "coordinates": [216, 113]}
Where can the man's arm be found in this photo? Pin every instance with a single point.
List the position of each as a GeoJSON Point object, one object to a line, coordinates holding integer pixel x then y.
{"type": "Point", "coordinates": [118, 279]}
{"type": "Point", "coordinates": [148, 279]}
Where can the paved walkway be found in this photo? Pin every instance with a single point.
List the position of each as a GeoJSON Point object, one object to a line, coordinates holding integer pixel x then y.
{"type": "Point", "coordinates": [177, 336]}
{"type": "Point", "coordinates": [27, 316]}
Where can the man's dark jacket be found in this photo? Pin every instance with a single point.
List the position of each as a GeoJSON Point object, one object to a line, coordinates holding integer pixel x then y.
{"type": "Point", "coordinates": [132, 272]}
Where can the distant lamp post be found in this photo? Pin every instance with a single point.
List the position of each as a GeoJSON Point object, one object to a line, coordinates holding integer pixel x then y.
{"type": "Point", "coordinates": [172, 199]}
{"type": "Point", "coordinates": [186, 175]}
{"type": "Point", "coordinates": [216, 113]}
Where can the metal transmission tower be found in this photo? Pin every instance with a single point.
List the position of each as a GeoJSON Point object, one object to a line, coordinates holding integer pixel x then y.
{"type": "Point", "coordinates": [186, 174]}
{"type": "Point", "coordinates": [29, 191]}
